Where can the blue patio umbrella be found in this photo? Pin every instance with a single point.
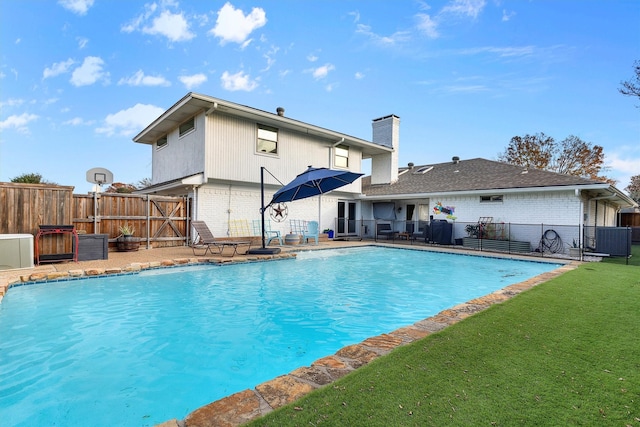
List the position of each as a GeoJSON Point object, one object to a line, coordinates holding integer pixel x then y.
{"type": "Point", "coordinates": [313, 182]}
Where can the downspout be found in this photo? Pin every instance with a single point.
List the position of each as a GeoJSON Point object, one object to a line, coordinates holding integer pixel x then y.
{"type": "Point", "coordinates": [229, 212]}
{"type": "Point", "coordinates": [580, 219]}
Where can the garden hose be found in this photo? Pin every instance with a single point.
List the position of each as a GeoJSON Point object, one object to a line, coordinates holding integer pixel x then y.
{"type": "Point", "coordinates": [550, 242]}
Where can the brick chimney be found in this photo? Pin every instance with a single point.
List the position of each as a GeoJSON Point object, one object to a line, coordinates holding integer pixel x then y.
{"type": "Point", "coordinates": [384, 167]}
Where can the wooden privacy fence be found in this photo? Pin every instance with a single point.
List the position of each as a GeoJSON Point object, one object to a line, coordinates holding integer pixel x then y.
{"type": "Point", "coordinates": [158, 221]}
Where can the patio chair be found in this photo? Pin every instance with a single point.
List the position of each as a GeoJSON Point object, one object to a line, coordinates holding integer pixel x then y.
{"type": "Point", "coordinates": [206, 241]}
{"type": "Point", "coordinates": [269, 234]}
{"type": "Point", "coordinates": [311, 232]}
{"type": "Point", "coordinates": [421, 233]}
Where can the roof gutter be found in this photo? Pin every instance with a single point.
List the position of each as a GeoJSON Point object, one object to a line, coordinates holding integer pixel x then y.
{"type": "Point", "coordinates": [483, 192]}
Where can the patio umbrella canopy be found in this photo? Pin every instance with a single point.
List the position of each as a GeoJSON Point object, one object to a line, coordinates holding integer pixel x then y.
{"type": "Point", "coordinates": [313, 182]}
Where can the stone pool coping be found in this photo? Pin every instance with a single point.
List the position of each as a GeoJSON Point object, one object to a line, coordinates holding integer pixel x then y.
{"type": "Point", "coordinates": [246, 405]}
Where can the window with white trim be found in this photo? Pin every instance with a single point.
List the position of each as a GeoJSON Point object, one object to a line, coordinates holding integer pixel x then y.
{"type": "Point", "coordinates": [161, 142]}
{"type": "Point", "coordinates": [187, 126]}
{"type": "Point", "coordinates": [267, 139]}
{"type": "Point", "coordinates": [341, 156]}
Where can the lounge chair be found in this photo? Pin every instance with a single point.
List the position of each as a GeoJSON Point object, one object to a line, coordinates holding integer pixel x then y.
{"type": "Point", "coordinates": [311, 232]}
{"type": "Point", "coordinates": [206, 241]}
{"type": "Point", "coordinates": [385, 230]}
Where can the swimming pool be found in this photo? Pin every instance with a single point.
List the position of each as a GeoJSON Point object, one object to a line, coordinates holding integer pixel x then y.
{"type": "Point", "coordinates": [142, 349]}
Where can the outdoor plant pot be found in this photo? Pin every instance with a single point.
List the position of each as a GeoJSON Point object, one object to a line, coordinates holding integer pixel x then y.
{"type": "Point", "coordinates": [128, 243]}
{"type": "Point", "coordinates": [292, 239]}
{"type": "Point", "coordinates": [574, 252]}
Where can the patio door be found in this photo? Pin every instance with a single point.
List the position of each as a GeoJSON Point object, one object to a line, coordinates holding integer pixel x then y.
{"type": "Point", "coordinates": [346, 218]}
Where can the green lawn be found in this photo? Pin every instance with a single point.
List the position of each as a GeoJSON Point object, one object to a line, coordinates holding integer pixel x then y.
{"type": "Point", "coordinates": [634, 260]}
{"type": "Point", "coordinates": [566, 353]}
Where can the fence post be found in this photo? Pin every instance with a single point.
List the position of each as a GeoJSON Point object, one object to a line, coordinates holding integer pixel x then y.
{"type": "Point", "coordinates": [148, 221]}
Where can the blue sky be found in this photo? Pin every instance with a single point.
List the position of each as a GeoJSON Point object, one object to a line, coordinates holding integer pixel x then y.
{"type": "Point", "coordinates": [80, 78]}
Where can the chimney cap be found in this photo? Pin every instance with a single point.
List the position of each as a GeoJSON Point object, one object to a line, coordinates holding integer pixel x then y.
{"type": "Point", "coordinates": [280, 111]}
{"type": "Point", "coordinates": [455, 159]}
{"type": "Point", "coordinates": [410, 164]}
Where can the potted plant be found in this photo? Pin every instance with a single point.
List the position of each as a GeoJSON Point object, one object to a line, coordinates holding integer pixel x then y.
{"type": "Point", "coordinates": [126, 242]}
{"type": "Point", "coordinates": [473, 230]}
{"type": "Point", "coordinates": [328, 232]}
{"type": "Point", "coordinates": [574, 249]}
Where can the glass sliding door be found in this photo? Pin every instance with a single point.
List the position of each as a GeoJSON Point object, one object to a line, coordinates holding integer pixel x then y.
{"type": "Point", "coordinates": [347, 218]}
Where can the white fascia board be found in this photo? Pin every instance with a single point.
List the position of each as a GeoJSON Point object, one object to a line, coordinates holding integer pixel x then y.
{"type": "Point", "coordinates": [211, 105]}
{"type": "Point", "coordinates": [486, 192]}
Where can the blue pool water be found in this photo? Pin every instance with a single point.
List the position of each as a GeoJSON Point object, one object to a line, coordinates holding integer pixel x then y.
{"type": "Point", "coordinates": [140, 349]}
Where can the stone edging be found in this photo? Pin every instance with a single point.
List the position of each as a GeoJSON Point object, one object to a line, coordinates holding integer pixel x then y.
{"type": "Point", "coordinates": [34, 278]}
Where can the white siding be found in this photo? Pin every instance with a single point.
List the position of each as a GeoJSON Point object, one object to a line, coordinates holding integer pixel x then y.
{"type": "Point", "coordinates": [231, 153]}
{"type": "Point", "coordinates": [181, 156]}
{"type": "Point", "coordinates": [561, 208]}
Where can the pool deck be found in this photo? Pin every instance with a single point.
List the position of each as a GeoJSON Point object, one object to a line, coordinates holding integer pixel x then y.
{"type": "Point", "coordinates": [246, 405]}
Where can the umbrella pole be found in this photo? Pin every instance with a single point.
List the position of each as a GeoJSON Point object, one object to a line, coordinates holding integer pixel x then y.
{"type": "Point", "coordinates": [263, 208]}
{"type": "Point", "coordinates": [263, 250]}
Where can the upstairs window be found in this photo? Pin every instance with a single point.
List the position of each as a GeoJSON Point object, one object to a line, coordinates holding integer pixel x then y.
{"type": "Point", "coordinates": [341, 157]}
{"type": "Point", "coordinates": [267, 140]}
{"type": "Point", "coordinates": [161, 142]}
{"type": "Point", "coordinates": [491, 199]}
{"type": "Point", "coordinates": [187, 126]}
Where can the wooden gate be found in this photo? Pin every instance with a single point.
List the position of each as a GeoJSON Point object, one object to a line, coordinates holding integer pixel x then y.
{"type": "Point", "coordinates": [158, 221]}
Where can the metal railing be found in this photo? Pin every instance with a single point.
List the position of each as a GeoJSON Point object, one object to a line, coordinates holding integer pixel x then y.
{"type": "Point", "coordinates": [544, 240]}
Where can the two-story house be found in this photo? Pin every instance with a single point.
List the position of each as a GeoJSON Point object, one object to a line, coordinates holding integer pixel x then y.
{"type": "Point", "coordinates": [212, 150]}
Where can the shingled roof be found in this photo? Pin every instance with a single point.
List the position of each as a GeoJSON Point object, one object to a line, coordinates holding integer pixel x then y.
{"type": "Point", "coordinates": [471, 175]}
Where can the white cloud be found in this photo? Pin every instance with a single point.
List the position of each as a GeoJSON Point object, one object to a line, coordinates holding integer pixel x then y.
{"type": "Point", "coordinates": [394, 39]}
{"type": "Point", "coordinates": [138, 21]}
{"type": "Point", "coordinates": [323, 71]}
{"type": "Point", "coordinates": [78, 121]}
{"type": "Point", "coordinates": [174, 26]}
{"type": "Point", "coordinates": [238, 81]}
{"type": "Point", "coordinates": [18, 122]}
{"type": "Point", "coordinates": [358, 75]}
{"type": "Point", "coordinates": [89, 72]}
{"type": "Point", "coordinates": [331, 86]}
{"type": "Point", "coordinates": [130, 121]}
{"type": "Point", "coordinates": [11, 102]}
{"type": "Point", "coordinates": [312, 58]}
{"type": "Point", "coordinates": [427, 25]}
{"type": "Point", "coordinates": [193, 81]}
{"type": "Point", "coordinates": [139, 79]}
{"type": "Point", "coordinates": [470, 8]}
{"type": "Point", "coordinates": [506, 16]}
{"type": "Point", "coordinates": [58, 68]}
{"type": "Point", "coordinates": [622, 166]}
{"type": "Point", "coordinates": [79, 7]}
{"type": "Point", "coordinates": [501, 51]}
{"type": "Point", "coordinates": [233, 26]}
